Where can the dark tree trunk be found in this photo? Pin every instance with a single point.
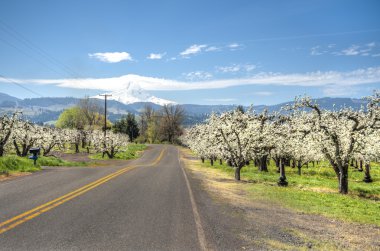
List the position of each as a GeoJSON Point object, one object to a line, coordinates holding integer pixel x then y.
{"type": "Point", "coordinates": [220, 162]}
{"type": "Point", "coordinates": [293, 163]}
{"type": "Point", "coordinates": [356, 164]}
{"type": "Point", "coordinates": [203, 159]}
{"type": "Point", "coordinates": [237, 173]}
{"type": "Point", "coordinates": [247, 163]}
{"type": "Point", "coordinates": [282, 180]}
{"type": "Point", "coordinates": [256, 162]}
{"type": "Point", "coordinates": [212, 161]}
{"type": "Point", "coordinates": [367, 175]}
{"type": "Point", "coordinates": [299, 166]}
{"type": "Point", "coordinates": [76, 147]}
{"type": "Point", "coordinates": [343, 180]}
{"type": "Point", "coordinates": [277, 162]}
{"type": "Point", "coordinates": [1, 151]}
{"type": "Point", "coordinates": [360, 166]}
{"type": "Point", "coordinates": [229, 163]}
{"type": "Point", "coordinates": [313, 163]}
{"type": "Point", "coordinates": [352, 162]}
{"type": "Point", "coordinates": [263, 164]}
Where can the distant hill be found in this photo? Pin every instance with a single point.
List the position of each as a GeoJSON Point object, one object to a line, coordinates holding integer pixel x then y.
{"type": "Point", "coordinates": [42, 110]}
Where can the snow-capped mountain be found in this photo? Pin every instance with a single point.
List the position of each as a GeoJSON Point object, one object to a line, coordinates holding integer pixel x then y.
{"type": "Point", "coordinates": [133, 93]}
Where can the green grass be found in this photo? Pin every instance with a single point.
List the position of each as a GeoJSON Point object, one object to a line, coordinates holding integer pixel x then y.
{"type": "Point", "coordinates": [316, 191]}
{"type": "Point", "coordinates": [132, 151]}
{"type": "Point", "coordinates": [13, 163]}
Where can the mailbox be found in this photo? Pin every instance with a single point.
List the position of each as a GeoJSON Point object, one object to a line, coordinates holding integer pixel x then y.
{"type": "Point", "coordinates": [35, 151]}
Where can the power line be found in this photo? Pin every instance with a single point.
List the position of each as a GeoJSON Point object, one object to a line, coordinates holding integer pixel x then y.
{"type": "Point", "coordinates": [39, 51]}
{"type": "Point", "coordinates": [20, 85]}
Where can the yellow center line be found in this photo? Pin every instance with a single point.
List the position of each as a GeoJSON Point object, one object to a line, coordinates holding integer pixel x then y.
{"type": "Point", "coordinates": [28, 215]}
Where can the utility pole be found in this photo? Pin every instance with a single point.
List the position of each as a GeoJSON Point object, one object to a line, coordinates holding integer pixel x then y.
{"type": "Point", "coordinates": [105, 112]}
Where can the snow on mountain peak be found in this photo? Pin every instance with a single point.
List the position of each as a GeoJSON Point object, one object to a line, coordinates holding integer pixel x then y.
{"type": "Point", "coordinates": [133, 93]}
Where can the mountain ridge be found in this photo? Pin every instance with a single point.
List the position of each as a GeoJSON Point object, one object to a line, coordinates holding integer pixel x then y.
{"type": "Point", "coordinates": [47, 109]}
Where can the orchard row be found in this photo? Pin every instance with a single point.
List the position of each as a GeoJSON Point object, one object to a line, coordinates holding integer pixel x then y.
{"type": "Point", "coordinates": [303, 132]}
{"type": "Point", "coordinates": [18, 136]}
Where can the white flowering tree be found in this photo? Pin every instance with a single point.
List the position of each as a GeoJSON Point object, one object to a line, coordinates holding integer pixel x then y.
{"type": "Point", "coordinates": [336, 133]}
{"type": "Point", "coordinates": [7, 124]}
{"type": "Point", "coordinates": [25, 135]}
{"type": "Point", "coordinates": [110, 145]}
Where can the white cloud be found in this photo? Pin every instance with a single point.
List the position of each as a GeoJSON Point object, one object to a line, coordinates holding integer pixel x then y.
{"type": "Point", "coordinates": [192, 50]}
{"type": "Point", "coordinates": [263, 93]}
{"type": "Point", "coordinates": [351, 51]}
{"type": "Point", "coordinates": [111, 57]}
{"type": "Point", "coordinates": [213, 48]}
{"type": "Point", "coordinates": [315, 51]}
{"type": "Point", "coordinates": [156, 55]}
{"type": "Point", "coordinates": [198, 75]}
{"type": "Point", "coordinates": [351, 78]}
{"type": "Point", "coordinates": [234, 68]}
{"type": "Point", "coordinates": [234, 46]}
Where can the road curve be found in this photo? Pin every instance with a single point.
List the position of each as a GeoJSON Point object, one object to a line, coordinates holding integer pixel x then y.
{"type": "Point", "coordinates": [145, 204]}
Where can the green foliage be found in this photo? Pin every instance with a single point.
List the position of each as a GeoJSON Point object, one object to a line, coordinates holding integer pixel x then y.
{"type": "Point", "coordinates": [13, 163]}
{"type": "Point", "coordinates": [131, 152]}
{"type": "Point", "coordinates": [127, 125]}
{"type": "Point", "coordinates": [71, 118]}
{"type": "Point", "coordinates": [315, 191]}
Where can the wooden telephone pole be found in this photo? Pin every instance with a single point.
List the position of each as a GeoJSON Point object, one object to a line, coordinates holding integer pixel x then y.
{"type": "Point", "coordinates": [105, 112]}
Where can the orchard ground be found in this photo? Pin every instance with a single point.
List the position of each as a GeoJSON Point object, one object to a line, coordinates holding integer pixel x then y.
{"type": "Point", "coordinates": [309, 213]}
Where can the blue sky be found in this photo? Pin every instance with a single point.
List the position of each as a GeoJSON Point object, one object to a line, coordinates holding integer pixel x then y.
{"type": "Point", "coordinates": [202, 52]}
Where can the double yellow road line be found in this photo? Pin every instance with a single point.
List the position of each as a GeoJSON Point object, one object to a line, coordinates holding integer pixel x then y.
{"type": "Point", "coordinates": [28, 215]}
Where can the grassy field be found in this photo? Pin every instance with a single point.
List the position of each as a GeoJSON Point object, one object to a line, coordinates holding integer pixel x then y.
{"type": "Point", "coordinates": [131, 152]}
{"type": "Point", "coordinates": [315, 191]}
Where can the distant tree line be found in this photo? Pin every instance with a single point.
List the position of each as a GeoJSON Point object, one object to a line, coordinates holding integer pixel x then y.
{"type": "Point", "coordinates": [151, 126]}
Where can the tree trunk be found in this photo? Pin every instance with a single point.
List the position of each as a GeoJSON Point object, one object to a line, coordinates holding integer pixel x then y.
{"type": "Point", "coordinates": [343, 180]}
{"type": "Point", "coordinates": [203, 159]}
{"type": "Point", "coordinates": [293, 163]}
{"type": "Point", "coordinates": [220, 162]}
{"type": "Point", "coordinates": [229, 163]}
{"type": "Point", "coordinates": [237, 173]}
{"type": "Point", "coordinates": [212, 161]}
{"type": "Point", "coordinates": [76, 148]}
{"type": "Point", "coordinates": [282, 180]}
{"type": "Point", "coordinates": [299, 166]}
{"type": "Point", "coordinates": [360, 166]}
{"type": "Point", "coordinates": [1, 151]}
{"type": "Point", "coordinates": [263, 164]}
{"type": "Point", "coordinates": [367, 177]}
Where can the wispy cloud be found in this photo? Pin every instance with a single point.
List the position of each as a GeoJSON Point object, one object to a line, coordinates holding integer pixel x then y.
{"type": "Point", "coordinates": [154, 56]}
{"type": "Point", "coordinates": [308, 79]}
{"type": "Point", "coordinates": [111, 57]}
{"type": "Point", "coordinates": [234, 68]}
{"type": "Point", "coordinates": [369, 49]}
{"type": "Point", "coordinates": [263, 93]}
{"type": "Point", "coordinates": [198, 75]}
{"type": "Point", "coordinates": [234, 46]}
{"type": "Point", "coordinates": [199, 48]}
{"type": "Point", "coordinates": [193, 49]}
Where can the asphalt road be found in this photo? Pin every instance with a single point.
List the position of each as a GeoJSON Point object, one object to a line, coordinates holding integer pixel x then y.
{"type": "Point", "coordinates": [145, 204]}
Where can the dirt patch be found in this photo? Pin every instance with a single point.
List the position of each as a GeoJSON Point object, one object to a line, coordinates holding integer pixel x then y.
{"type": "Point", "coordinates": [268, 225]}
{"type": "Point", "coordinates": [13, 175]}
{"type": "Point", "coordinates": [73, 157]}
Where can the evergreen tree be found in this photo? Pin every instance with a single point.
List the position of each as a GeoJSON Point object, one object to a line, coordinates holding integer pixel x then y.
{"type": "Point", "coordinates": [127, 125]}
